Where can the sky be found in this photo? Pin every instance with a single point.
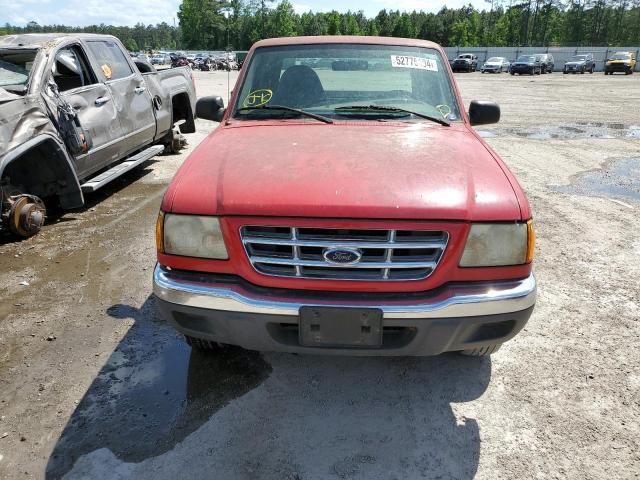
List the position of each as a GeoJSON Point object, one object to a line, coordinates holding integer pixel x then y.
{"type": "Point", "coordinates": [130, 12]}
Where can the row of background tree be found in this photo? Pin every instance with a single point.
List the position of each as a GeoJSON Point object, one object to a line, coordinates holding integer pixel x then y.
{"type": "Point", "coordinates": [215, 25]}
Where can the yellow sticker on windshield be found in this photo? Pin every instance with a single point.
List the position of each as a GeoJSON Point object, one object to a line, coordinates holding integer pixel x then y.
{"type": "Point", "coordinates": [445, 110]}
{"type": "Point", "coordinates": [106, 69]}
{"type": "Point", "coordinates": [257, 98]}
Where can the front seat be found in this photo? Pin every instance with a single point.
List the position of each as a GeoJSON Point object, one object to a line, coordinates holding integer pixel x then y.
{"type": "Point", "coordinates": [299, 87]}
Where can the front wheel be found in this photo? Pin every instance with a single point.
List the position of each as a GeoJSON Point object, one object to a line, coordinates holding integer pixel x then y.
{"type": "Point", "coordinates": [481, 351]}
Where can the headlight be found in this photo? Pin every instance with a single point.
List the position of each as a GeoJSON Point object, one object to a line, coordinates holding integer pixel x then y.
{"type": "Point", "coordinates": [190, 236]}
{"type": "Point", "coordinates": [499, 244]}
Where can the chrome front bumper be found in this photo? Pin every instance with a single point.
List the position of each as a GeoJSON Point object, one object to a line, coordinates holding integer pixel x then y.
{"type": "Point", "coordinates": [458, 300]}
{"type": "Point", "coordinates": [228, 310]}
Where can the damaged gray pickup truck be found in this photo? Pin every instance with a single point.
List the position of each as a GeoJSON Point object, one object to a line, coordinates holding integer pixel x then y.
{"type": "Point", "coordinates": [76, 112]}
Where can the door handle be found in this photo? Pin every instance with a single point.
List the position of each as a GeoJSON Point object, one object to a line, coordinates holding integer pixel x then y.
{"type": "Point", "coordinates": [140, 89]}
{"type": "Point", "coordinates": [101, 100]}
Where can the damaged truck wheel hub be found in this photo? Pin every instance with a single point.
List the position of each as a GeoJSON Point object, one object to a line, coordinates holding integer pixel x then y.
{"type": "Point", "coordinates": [26, 215]}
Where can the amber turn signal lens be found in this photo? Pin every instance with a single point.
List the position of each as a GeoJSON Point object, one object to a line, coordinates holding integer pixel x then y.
{"type": "Point", "coordinates": [531, 241]}
{"type": "Point", "coordinates": [160, 233]}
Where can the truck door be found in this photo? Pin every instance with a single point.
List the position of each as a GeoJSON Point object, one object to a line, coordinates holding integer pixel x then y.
{"type": "Point", "coordinates": [79, 87]}
{"type": "Point", "coordinates": [129, 91]}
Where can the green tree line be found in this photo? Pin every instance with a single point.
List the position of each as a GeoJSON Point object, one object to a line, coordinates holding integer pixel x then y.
{"type": "Point", "coordinates": [216, 25]}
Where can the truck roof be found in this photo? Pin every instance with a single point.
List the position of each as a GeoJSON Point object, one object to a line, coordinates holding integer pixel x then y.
{"type": "Point", "coordinates": [409, 42]}
{"type": "Point", "coordinates": [37, 40]}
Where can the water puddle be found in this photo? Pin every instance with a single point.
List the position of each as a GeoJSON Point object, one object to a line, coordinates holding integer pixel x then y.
{"type": "Point", "coordinates": [153, 392]}
{"type": "Point", "coordinates": [616, 179]}
{"type": "Point", "coordinates": [580, 130]}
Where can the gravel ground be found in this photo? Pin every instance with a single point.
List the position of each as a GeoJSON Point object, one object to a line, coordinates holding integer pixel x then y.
{"type": "Point", "coordinates": [94, 384]}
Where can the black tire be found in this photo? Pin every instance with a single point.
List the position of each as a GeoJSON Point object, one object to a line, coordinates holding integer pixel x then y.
{"type": "Point", "coordinates": [564, 72]}
{"type": "Point", "coordinates": [591, 70]}
{"type": "Point", "coordinates": [512, 73]}
{"type": "Point", "coordinates": [204, 345]}
{"type": "Point", "coordinates": [481, 351]}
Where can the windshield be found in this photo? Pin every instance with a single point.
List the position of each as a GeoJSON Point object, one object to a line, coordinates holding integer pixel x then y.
{"type": "Point", "coordinates": [579, 58]}
{"type": "Point", "coordinates": [525, 58]}
{"type": "Point", "coordinates": [621, 56]}
{"type": "Point", "coordinates": [15, 69]}
{"type": "Point", "coordinates": [324, 78]}
{"type": "Point", "coordinates": [494, 60]}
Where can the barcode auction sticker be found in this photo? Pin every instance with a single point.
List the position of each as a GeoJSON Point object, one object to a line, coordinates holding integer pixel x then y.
{"type": "Point", "coordinates": [405, 61]}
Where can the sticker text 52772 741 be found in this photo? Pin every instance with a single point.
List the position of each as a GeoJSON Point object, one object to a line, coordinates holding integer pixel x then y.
{"type": "Point", "coordinates": [420, 63]}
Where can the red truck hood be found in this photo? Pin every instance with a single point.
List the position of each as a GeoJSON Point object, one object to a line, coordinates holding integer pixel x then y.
{"type": "Point", "coordinates": [344, 170]}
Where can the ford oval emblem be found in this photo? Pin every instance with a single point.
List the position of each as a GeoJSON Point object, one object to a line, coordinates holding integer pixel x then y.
{"type": "Point", "coordinates": [342, 256]}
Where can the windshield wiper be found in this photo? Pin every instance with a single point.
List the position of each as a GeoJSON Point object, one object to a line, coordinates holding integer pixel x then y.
{"type": "Point", "coordinates": [288, 109]}
{"type": "Point", "coordinates": [383, 108]}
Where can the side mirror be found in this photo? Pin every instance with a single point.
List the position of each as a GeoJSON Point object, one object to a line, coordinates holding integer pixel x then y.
{"type": "Point", "coordinates": [210, 108]}
{"type": "Point", "coordinates": [483, 113]}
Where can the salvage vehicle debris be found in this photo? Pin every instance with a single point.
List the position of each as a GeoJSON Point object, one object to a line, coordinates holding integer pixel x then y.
{"type": "Point", "coordinates": [76, 112]}
{"type": "Point", "coordinates": [405, 234]}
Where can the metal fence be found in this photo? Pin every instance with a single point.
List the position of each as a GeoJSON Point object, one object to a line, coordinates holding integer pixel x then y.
{"type": "Point", "coordinates": [560, 54]}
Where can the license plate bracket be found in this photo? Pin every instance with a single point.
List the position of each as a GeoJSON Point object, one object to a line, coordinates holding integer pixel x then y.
{"type": "Point", "coordinates": [340, 327]}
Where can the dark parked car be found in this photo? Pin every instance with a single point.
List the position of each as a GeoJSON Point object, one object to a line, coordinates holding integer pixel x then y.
{"type": "Point", "coordinates": [580, 64]}
{"type": "Point", "coordinates": [546, 62]}
{"type": "Point", "coordinates": [465, 62]}
{"type": "Point", "coordinates": [529, 64]}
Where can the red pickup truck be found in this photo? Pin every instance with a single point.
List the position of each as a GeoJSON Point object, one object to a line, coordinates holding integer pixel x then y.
{"type": "Point", "coordinates": [345, 205]}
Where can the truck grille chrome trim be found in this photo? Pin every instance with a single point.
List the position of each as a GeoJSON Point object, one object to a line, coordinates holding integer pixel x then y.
{"type": "Point", "coordinates": [386, 255]}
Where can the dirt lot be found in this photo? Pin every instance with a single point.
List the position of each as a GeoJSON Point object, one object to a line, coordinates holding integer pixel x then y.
{"type": "Point", "coordinates": [94, 384]}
